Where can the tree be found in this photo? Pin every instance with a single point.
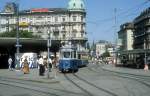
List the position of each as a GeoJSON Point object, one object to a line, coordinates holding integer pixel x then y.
{"type": "Point", "coordinates": [106, 54]}
{"type": "Point", "coordinates": [22, 34]}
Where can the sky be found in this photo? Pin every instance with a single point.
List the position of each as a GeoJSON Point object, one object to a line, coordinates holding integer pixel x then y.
{"type": "Point", "coordinates": [101, 14]}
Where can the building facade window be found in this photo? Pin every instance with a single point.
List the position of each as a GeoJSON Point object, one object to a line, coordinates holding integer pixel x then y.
{"type": "Point", "coordinates": [63, 28]}
{"type": "Point", "coordinates": [48, 18]}
{"type": "Point", "coordinates": [81, 5]}
{"type": "Point", "coordinates": [38, 17]}
{"type": "Point", "coordinates": [74, 33]}
{"type": "Point", "coordinates": [64, 36]}
{"type": "Point", "coordinates": [82, 35]}
{"type": "Point", "coordinates": [74, 5]}
{"type": "Point", "coordinates": [74, 18]}
{"type": "Point", "coordinates": [56, 19]}
{"type": "Point", "coordinates": [48, 23]}
{"type": "Point", "coordinates": [81, 18]}
{"type": "Point", "coordinates": [63, 19]}
{"type": "Point", "coordinates": [23, 19]}
{"type": "Point", "coordinates": [56, 29]}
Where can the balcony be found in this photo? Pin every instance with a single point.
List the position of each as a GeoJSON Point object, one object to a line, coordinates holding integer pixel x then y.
{"type": "Point", "coordinates": [79, 38]}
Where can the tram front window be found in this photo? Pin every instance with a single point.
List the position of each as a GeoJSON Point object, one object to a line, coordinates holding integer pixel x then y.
{"type": "Point", "coordinates": [66, 54]}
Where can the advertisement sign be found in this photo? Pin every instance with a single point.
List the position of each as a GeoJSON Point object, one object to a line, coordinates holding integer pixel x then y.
{"type": "Point", "coordinates": [23, 23]}
{"type": "Point", "coordinates": [40, 10]}
{"type": "Point", "coordinates": [31, 58]}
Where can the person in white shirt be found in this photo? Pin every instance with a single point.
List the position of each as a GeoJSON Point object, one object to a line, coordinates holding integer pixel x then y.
{"type": "Point", "coordinates": [41, 66]}
{"type": "Point", "coordinates": [10, 63]}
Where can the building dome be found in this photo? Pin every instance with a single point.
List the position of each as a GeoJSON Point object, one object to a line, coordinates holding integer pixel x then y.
{"type": "Point", "coordinates": [76, 5]}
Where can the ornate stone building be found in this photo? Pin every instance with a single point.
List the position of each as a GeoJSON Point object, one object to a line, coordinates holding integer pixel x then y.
{"type": "Point", "coordinates": [142, 30]}
{"type": "Point", "coordinates": [125, 35]}
{"type": "Point", "coordinates": [138, 31]}
{"type": "Point", "coordinates": [64, 24]}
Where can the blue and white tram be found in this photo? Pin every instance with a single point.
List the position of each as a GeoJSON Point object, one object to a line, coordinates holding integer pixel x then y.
{"type": "Point", "coordinates": [68, 61]}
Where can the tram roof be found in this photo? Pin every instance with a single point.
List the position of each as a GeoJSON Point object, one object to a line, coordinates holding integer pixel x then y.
{"type": "Point", "coordinates": [68, 47]}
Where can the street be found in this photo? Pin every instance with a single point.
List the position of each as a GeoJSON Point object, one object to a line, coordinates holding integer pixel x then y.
{"type": "Point", "coordinates": [68, 48]}
{"type": "Point", "coordinates": [92, 80]}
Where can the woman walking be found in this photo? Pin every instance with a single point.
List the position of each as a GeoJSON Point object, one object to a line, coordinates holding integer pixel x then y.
{"type": "Point", "coordinates": [25, 66]}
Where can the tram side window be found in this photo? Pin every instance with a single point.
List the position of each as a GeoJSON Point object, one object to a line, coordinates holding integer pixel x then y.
{"type": "Point", "coordinates": [66, 54]}
{"type": "Point", "coordinates": [74, 55]}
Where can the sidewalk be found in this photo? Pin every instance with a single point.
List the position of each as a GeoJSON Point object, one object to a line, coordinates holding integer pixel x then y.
{"type": "Point", "coordinates": [32, 76]}
{"type": "Point", "coordinates": [140, 72]}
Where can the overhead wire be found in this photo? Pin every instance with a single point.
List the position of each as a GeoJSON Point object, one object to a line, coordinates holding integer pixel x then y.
{"type": "Point", "coordinates": [133, 8]}
{"type": "Point", "coordinates": [124, 14]}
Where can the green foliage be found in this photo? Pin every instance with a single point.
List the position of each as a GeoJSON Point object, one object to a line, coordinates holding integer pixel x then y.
{"type": "Point", "coordinates": [25, 34]}
{"type": "Point", "coordinates": [106, 54]}
{"type": "Point", "coordinates": [22, 34]}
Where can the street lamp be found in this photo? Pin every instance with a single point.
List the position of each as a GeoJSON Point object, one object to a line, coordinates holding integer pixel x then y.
{"type": "Point", "coordinates": [48, 52]}
{"type": "Point", "coordinates": [17, 36]}
{"type": "Point", "coordinates": [145, 57]}
{"type": "Point", "coordinates": [7, 19]}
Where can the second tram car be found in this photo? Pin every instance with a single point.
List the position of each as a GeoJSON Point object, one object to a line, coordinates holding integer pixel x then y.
{"type": "Point", "coordinates": [134, 58]}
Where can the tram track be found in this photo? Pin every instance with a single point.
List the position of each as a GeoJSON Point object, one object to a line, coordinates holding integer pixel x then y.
{"type": "Point", "coordinates": [84, 89]}
{"type": "Point", "coordinates": [36, 87]}
{"type": "Point", "coordinates": [99, 88]}
{"type": "Point", "coordinates": [26, 86]}
{"type": "Point", "coordinates": [86, 93]}
{"type": "Point", "coordinates": [100, 71]}
{"type": "Point", "coordinates": [133, 77]}
{"type": "Point", "coordinates": [30, 86]}
{"type": "Point", "coordinates": [31, 89]}
{"type": "Point", "coordinates": [145, 80]}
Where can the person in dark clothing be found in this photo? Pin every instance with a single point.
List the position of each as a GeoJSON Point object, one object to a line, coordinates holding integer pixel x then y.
{"type": "Point", "coordinates": [42, 67]}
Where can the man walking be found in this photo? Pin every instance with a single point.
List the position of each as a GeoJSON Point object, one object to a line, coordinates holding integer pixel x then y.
{"type": "Point", "coordinates": [41, 66]}
{"type": "Point", "coordinates": [10, 63]}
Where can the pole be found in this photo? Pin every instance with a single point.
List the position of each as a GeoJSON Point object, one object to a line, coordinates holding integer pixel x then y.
{"type": "Point", "coordinates": [48, 52]}
{"type": "Point", "coordinates": [145, 57]}
{"type": "Point", "coordinates": [115, 37]}
{"type": "Point", "coordinates": [17, 38]}
{"type": "Point", "coordinates": [70, 33]}
{"type": "Point", "coordinates": [7, 24]}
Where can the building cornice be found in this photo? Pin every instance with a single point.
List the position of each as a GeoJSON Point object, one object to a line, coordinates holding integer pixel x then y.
{"type": "Point", "coordinates": [144, 15]}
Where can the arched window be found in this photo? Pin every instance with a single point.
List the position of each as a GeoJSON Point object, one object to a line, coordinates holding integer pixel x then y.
{"type": "Point", "coordinates": [81, 5]}
{"type": "Point", "coordinates": [74, 5]}
{"type": "Point", "coordinates": [74, 33]}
